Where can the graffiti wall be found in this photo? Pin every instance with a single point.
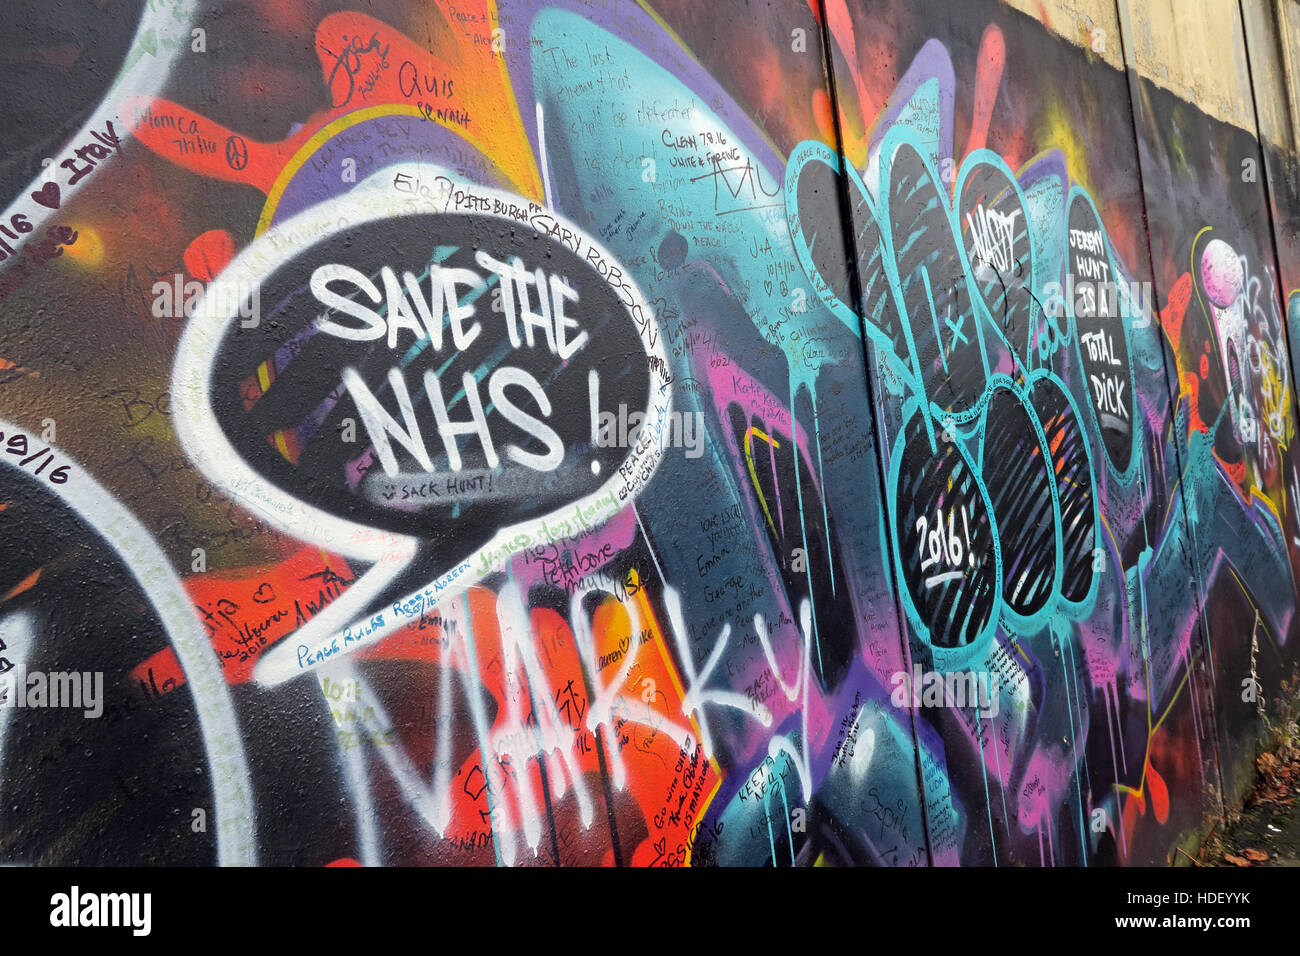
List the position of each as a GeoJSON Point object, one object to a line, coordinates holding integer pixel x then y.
{"type": "Point", "coordinates": [642, 432]}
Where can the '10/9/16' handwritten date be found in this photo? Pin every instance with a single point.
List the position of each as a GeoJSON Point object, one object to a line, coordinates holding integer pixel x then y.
{"type": "Point", "coordinates": [17, 446]}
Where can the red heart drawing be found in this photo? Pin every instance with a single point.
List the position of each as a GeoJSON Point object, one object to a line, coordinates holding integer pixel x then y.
{"type": "Point", "coordinates": [48, 195]}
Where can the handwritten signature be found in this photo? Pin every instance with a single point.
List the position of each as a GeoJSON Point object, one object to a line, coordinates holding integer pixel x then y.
{"type": "Point", "coordinates": [349, 61]}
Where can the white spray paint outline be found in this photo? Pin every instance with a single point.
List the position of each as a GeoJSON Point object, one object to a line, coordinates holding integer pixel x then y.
{"type": "Point", "coordinates": [144, 79]}
{"type": "Point", "coordinates": [231, 788]}
{"type": "Point", "coordinates": [212, 453]}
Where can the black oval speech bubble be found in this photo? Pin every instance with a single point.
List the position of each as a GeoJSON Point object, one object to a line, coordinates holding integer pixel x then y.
{"type": "Point", "coordinates": [488, 427]}
{"type": "Point", "coordinates": [946, 538]}
{"type": "Point", "coordinates": [1091, 295]}
{"type": "Point", "coordinates": [436, 384]}
{"type": "Point", "coordinates": [1016, 467]}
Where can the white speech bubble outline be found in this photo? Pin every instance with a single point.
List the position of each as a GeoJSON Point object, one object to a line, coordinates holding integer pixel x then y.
{"type": "Point", "coordinates": [203, 440]}
{"type": "Point", "coordinates": [144, 79]}
{"type": "Point", "coordinates": [152, 570]}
